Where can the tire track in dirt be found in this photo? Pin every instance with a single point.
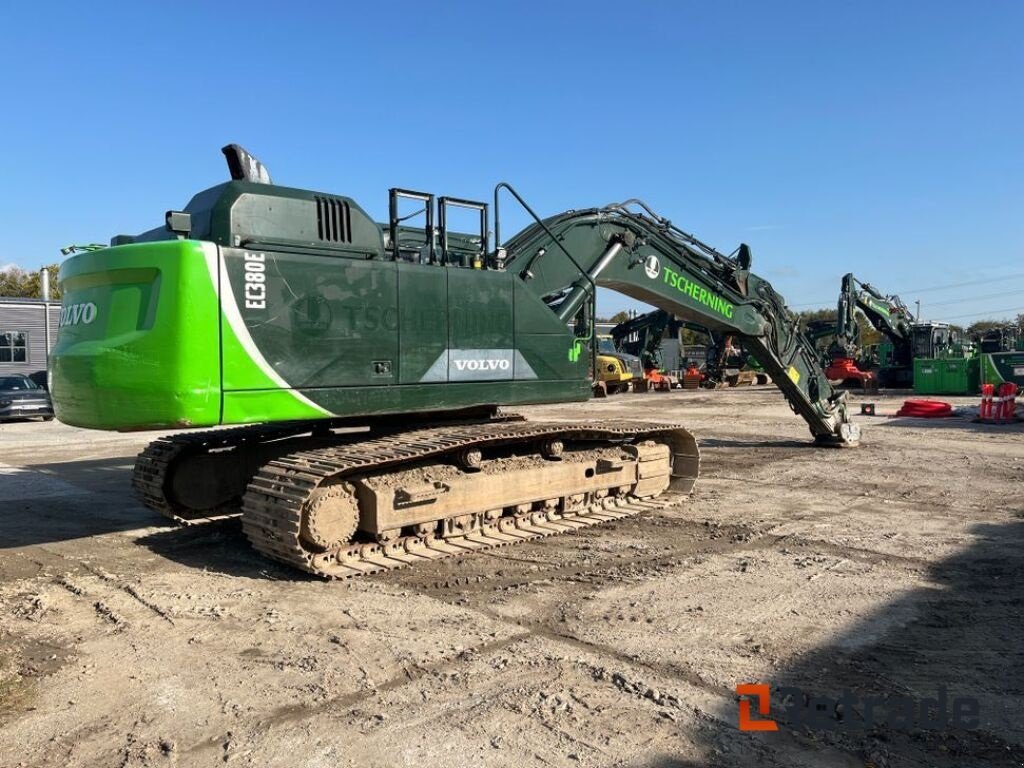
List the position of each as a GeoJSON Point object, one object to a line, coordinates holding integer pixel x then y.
{"type": "Point", "coordinates": [474, 574]}
{"type": "Point", "coordinates": [293, 713]}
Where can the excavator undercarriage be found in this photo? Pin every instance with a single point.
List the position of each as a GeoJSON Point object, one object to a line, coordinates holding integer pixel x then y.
{"type": "Point", "coordinates": [357, 502]}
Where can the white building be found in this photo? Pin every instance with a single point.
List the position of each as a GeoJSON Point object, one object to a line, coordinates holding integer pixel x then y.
{"type": "Point", "coordinates": [28, 330]}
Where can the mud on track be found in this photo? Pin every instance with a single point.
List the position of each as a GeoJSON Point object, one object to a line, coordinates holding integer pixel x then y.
{"type": "Point", "coordinates": [893, 570]}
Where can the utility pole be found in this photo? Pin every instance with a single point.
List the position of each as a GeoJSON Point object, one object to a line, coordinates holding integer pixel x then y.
{"type": "Point", "coordinates": [44, 284]}
{"type": "Point", "coordinates": [918, 318]}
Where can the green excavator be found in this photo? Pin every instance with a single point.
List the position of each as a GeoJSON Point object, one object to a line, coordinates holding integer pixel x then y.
{"type": "Point", "coordinates": [363, 367]}
{"type": "Point", "coordinates": [889, 316]}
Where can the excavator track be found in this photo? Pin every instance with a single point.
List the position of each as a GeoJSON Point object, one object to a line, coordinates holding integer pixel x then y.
{"type": "Point", "coordinates": [282, 491]}
{"type": "Point", "coordinates": [153, 476]}
{"type": "Point", "coordinates": [154, 466]}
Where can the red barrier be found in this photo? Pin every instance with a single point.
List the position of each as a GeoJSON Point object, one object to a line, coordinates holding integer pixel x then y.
{"type": "Point", "coordinates": [987, 391]}
{"type": "Point", "coordinates": [998, 406]}
{"type": "Point", "coordinates": [1006, 402]}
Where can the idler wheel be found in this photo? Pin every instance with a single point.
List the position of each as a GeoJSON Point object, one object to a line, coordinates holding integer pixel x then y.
{"type": "Point", "coordinates": [330, 517]}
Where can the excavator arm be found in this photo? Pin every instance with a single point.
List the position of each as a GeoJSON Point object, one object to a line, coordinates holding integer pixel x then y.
{"type": "Point", "coordinates": [887, 314]}
{"type": "Point", "coordinates": [628, 248]}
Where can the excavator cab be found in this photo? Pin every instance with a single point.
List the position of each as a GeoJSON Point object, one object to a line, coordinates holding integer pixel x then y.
{"type": "Point", "coordinates": [933, 339]}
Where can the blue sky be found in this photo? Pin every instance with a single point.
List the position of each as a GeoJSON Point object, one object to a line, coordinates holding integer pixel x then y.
{"type": "Point", "coordinates": [880, 138]}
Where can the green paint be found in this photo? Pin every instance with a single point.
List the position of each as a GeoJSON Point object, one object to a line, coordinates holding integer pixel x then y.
{"type": "Point", "coordinates": [990, 374]}
{"type": "Point", "coordinates": [575, 350]}
{"type": "Point", "coordinates": [150, 357]}
{"type": "Point", "coordinates": [322, 334]}
{"type": "Point", "coordinates": [162, 352]}
{"type": "Point", "coordinates": [999, 367]}
{"type": "Point", "coordinates": [946, 376]}
{"type": "Point", "coordinates": [880, 308]}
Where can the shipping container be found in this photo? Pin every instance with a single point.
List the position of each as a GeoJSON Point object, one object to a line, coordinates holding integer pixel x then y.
{"type": "Point", "coordinates": [946, 376]}
{"type": "Point", "coordinates": [1003, 366]}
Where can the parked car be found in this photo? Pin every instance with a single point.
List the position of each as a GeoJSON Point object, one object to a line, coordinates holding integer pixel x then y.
{"type": "Point", "coordinates": [40, 378]}
{"type": "Point", "coordinates": [22, 398]}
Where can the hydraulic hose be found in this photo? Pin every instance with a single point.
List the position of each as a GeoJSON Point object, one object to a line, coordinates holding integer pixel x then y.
{"type": "Point", "coordinates": [925, 409]}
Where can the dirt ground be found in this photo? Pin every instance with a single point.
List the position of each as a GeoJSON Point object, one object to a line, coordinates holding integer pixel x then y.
{"type": "Point", "coordinates": [893, 570]}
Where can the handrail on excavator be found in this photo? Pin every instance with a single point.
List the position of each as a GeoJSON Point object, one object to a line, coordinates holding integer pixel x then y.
{"type": "Point", "coordinates": [497, 225]}
{"type": "Point", "coordinates": [593, 286]}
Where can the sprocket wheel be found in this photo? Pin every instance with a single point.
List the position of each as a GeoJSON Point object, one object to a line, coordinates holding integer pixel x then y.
{"type": "Point", "coordinates": [330, 517]}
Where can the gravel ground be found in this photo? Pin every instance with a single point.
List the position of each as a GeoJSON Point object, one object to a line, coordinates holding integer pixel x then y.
{"type": "Point", "coordinates": [893, 570]}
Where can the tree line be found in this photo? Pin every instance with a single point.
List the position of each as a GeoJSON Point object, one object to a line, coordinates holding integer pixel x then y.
{"type": "Point", "coordinates": [18, 283]}
{"type": "Point", "coordinates": [868, 333]}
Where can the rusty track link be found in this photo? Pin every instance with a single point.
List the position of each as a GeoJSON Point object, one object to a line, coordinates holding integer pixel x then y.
{"type": "Point", "coordinates": [273, 503]}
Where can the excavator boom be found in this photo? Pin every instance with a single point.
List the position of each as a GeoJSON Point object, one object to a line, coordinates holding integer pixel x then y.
{"type": "Point", "coordinates": [642, 255]}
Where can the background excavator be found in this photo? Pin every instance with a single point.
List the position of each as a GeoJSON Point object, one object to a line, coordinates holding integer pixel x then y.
{"type": "Point", "coordinates": [726, 364]}
{"type": "Point", "coordinates": [642, 337]}
{"type": "Point", "coordinates": [364, 366]}
{"type": "Point", "coordinates": [909, 339]}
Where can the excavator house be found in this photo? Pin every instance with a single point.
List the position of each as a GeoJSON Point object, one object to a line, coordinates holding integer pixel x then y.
{"type": "Point", "coordinates": [358, 369]}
